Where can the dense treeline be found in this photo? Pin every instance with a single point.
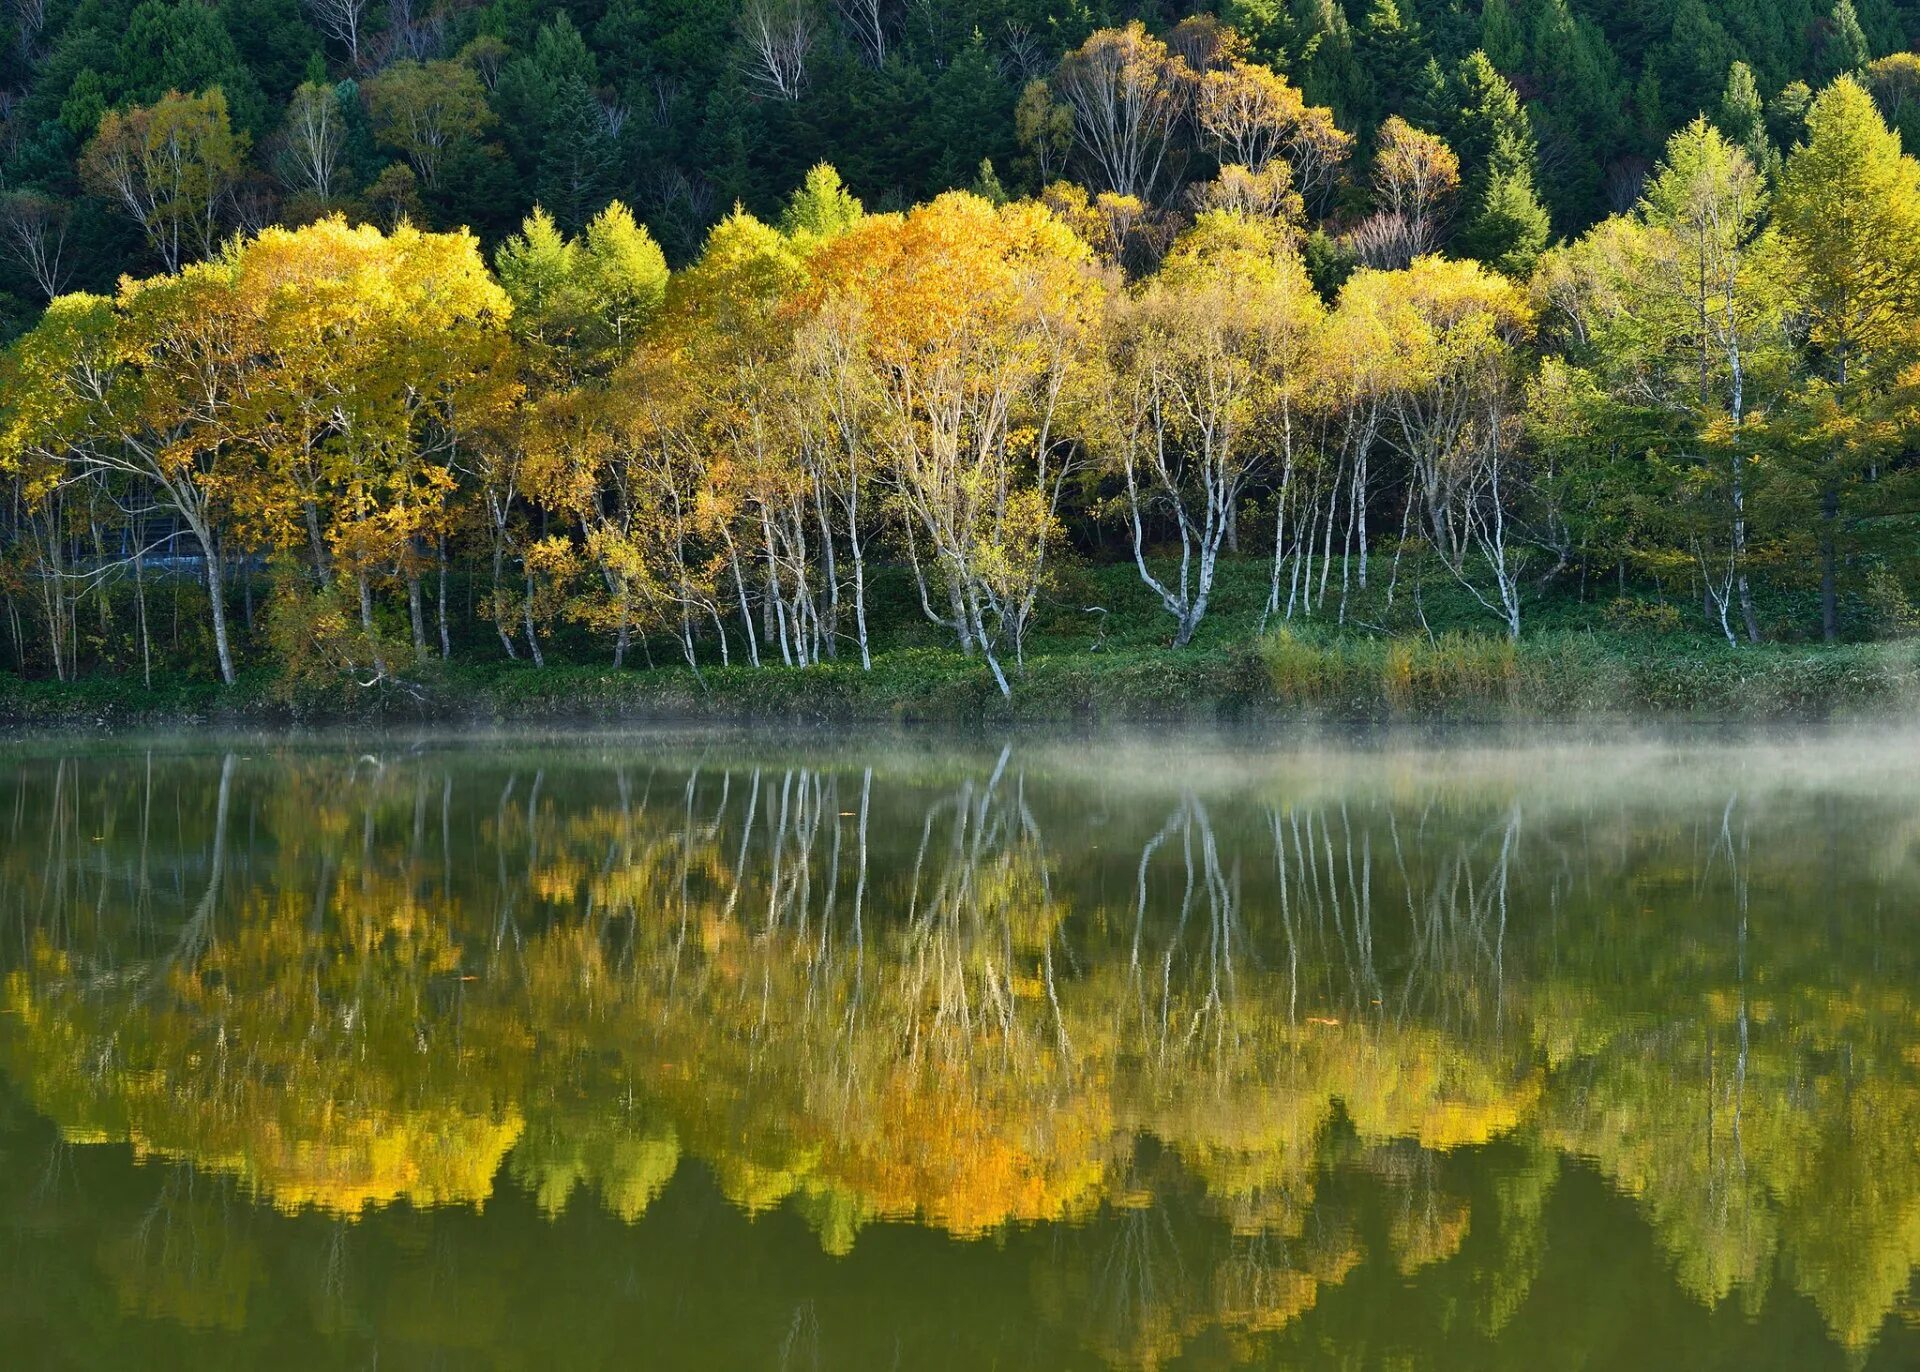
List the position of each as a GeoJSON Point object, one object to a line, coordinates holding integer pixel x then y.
{"type": "Point", "coordinates": [461, 113]}
{"type": "Point", "coordinates": [1240, 331]}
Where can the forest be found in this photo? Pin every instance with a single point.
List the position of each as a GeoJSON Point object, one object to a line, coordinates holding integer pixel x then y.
{"type": "Point", "coordinates": [352, 342]}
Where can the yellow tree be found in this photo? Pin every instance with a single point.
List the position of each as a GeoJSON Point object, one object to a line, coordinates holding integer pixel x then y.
{"type": "Point", "coordinates": [1130, 96]}
{"type": "Point", "coordinates": [580, 307]}
{"type": "Point", "coordinates": [377, 353]}
{"type": "Point", "coordinates": [979, 322]}
{"type": "Point", "coordinates": [659, 462]}
{"type": "Point", "coordinates": [833, 401]}
{"type": "Point", "coordinates": [1415, 175]}
{"type": "Point", "coordinates": [1203, 357]}
{"type": "Point", "coordinates": [727, 314]}
{"type": "Point", "coordinates": [323, 368]}
{"type": "Point", "coordinates": [170, 167]}
{"type": "Point", "coordinates": [135, 390]}
{"type": "Point", "coordinates": [1452, 333]}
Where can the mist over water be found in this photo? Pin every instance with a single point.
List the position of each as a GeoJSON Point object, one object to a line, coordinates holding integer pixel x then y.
{"type": "Point", "coordinates": [901, 1051]}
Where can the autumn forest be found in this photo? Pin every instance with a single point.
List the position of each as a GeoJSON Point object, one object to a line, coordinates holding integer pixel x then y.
{"type": "Point", "coordinates": [1216, 341]}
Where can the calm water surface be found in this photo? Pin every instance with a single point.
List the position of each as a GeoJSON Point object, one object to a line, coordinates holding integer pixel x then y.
{"type": "Point", "coordinates": [711, 1054]}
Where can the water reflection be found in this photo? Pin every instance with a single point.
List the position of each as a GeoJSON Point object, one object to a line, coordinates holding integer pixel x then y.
{"type": "Point", "coordinates": [1198, 1050]}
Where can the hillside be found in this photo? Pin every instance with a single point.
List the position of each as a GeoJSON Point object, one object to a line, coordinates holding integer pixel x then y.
{"type": "Point", "coordinates": [458, 113]}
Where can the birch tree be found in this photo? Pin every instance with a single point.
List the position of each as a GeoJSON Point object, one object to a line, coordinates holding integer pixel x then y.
{"type": "Point", "coordinates": [980, 320]}
{"type": "Point", "coordinates": [1131, 98]}
{"type": "Point", "coordinates": [1200, 356]}
{"type": "Point", "coordinates": [171, 168]}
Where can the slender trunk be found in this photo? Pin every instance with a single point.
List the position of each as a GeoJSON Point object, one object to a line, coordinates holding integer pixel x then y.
{"type": "Point", "coordinates": [986, 647]}
{"type": "Point", "coordinates": [446, 640]}
{"type": "Point", "coordinates": [740, 590]}
{"type": "Point", "coordinates": [416, 611]}
{"type": "Point", "coordinates": [830, 569]}
{"type": "Point", "coordinates": [140, 610]}
{"type": "Point", "coordinates": [499, 593]}
{"type": "Point", "coordinates": [217, 603]}
{"type": "Point", "coordinates": [965, 623]}
{"type": "Point", "coordinates": [1280, 522]}
{"type": "Point", "coordinates": [526, 615]}
{"type": "Point", "coordinates": [860, 605]}
{"type": "Point", "coordinates": [776, 594]}
{"type": "Point", "coordinates": [367, 625]}
{"type": "Point", "coordinates": [322, 569]}
{"type": "Point", "coordinates": [19, 647]}
{"type": "Point", "coordinates": [1829, 587]}
{"type": "Point", "coordinates": [1747, 615]}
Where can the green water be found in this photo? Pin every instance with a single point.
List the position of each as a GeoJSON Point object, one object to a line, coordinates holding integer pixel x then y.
{"type": "Point", "coordinates": [679, 1052]}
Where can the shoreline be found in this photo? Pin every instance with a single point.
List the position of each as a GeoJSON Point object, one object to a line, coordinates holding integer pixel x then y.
{"type": "Point", "coordinates": [1569, 678]}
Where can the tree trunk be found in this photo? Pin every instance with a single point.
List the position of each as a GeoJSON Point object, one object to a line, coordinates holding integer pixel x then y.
{"type": "Point", "coordinates": [446, 641]}
{"type": "Point", "coordinates": [416, 611]}
{"type": "Point", "coordinates": [1829, 589]}
{"type": "Point", "coordinates": [217, 602]}
{"type": "Point", "coordinates": [860, 605]}
{"type": "Point", "coordinates": [140, 609]}
{"type": "Point", "coordinates": [323, 573]}
{"type": "Point", "coordinates": [533, 638]}
{"type": "Point", "coordinates": [367, 625]}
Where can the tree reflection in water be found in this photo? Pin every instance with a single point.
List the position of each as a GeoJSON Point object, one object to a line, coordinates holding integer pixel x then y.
{"type": "Point", "coordinates": [1232, 1039]}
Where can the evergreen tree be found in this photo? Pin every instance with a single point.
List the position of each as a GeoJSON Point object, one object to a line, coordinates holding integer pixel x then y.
{"type": "Point", "coordinates": [1505, 224]}
{"type": "Point", "coordinates": [576, 156]}
{"type": "Point", "coordinates": [1743, 119]}
{"type": "Point", "coordinates": [1847, 220]}
{"type": "Point", "coordinates": [1329, 67]}
{"type": "Point", "coordinates": [1501, 37]}
{"type": "Point", "coordinates": [821, 208]}
{"type": "Point", "coordinates": [1390, 51]}
{"type": "Point", "coordinates": [1510, 229]}
{"type": "Point", "coordinates": [1843, 52]}
{"type": "Point", "coordinates": [551, 122]}
{"type": "Point", "coordinates": [969, 117]}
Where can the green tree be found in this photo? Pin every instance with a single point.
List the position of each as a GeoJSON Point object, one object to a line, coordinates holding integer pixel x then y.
{"type": "Point", "coordinates": [1505, 224]}
{"type": "Point", "coordinates": [1843, 48]}
{"type": "Point", "coordinates": [582, 301]}
{"type": "Point", "coordinates": [1847, 227]}
{"type": "Point", "coordinates": [170, 167]}
{"type": "Point", "coordinates": [822, 208]}
{"type": "Point", "coordinates": [554, 123]}
{"type": "Point", "coordinates": [1390, 48]}
{"type": "Point", "coordinates": [1743, 119]}
{"type": "Point", "coordinates": [426, 111]}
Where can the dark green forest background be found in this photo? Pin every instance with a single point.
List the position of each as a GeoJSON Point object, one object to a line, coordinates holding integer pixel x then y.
{"type": "Point", "coordinates": [663, 103]}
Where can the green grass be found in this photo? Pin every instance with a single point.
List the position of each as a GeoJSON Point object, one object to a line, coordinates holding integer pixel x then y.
{"type": "Point", "coordinates": [1586, 660]}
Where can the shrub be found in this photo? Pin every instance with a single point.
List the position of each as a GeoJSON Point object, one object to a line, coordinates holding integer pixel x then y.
{"type": "Point", "coordinates": [1639, 616]}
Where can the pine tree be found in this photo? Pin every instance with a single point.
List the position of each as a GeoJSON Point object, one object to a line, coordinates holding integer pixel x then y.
{"type": "Point", "coordinates": [1844, 51]}
{"type": "Point", "coordinates": [1510, 230]}
{"type": "Point", "coordinates": [1505, 224]}
{"type": "Point", "coordinates": [821, 208]}
{"type": "Point", "coordinates": [1847, 218]}
{"type": "Point", "coordinates": [1743, 119]}
{"type": "Point", "coordinates": [1501, 37]}
{"type": "Point", "coordinates": [1389, 47]}
{"type": "Point", "coordinates": [576, 156]}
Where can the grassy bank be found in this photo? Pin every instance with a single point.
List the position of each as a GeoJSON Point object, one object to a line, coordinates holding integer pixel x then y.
{"type": "Point", "coordinates": [1098, 653]}
{"type": "Point", "coordinates": [1561, 675]}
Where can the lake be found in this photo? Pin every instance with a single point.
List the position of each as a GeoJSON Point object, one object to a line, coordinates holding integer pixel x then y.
{"type": "Point", "coordinates": [846, 1052]}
